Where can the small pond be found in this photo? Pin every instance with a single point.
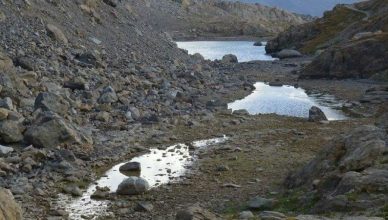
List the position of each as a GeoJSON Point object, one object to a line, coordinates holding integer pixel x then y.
{"type": "Point", "coordinates": [212, 50]}
{"type": "Point", "coordinates": [287, 100]}
{"type": "Point", "coordinates": [158, 167]}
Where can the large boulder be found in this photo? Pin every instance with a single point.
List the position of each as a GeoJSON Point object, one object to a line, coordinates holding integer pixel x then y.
{"type": "Point", "coordinates": [133, 186]}
{"type": "Point", "coordinates": [316, 114]}
{"type": "Point", "coordinates": [9, 209]}
{"type": "Point", "coordinates": [52, 131]}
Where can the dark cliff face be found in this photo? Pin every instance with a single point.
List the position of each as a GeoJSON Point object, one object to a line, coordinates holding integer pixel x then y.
{"type": "Point", "coordinates": [350, 41]}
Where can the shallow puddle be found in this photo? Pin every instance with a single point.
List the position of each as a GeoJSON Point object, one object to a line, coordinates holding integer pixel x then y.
{"type": "Point", "coordinates": [159, 166]}
{"type": "Point", "coordinates": [287, 100]}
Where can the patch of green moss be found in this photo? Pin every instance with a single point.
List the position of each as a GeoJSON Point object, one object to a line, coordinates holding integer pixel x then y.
{"type": "Point", "coordinates": [292, 203]}
{"type": "Point", "coordinates": [384, 212]}
{"type": "Point", "coordinates": [331, 25]}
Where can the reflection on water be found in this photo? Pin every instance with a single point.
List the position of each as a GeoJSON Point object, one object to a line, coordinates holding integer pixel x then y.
{"type": "Point", "coordinates": [212, 50]}
{"type": "Point", "coordinates": [287, 100]}
{"type": "Point", "coordinates": [159, 166]}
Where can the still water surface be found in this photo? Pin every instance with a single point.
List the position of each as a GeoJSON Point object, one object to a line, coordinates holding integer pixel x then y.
{"type": "Point", "coordinates": [158, 167]}
{"type": "Point", "coordinates": [212, 50]}
{"type": "Point", "coordinates": [287, 100]}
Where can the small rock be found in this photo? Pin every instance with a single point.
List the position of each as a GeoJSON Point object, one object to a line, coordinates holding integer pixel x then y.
{"type": "Point", "coordinates": [229, 58]}
{"type": "Point", "coordinates": [268, 215]}
{"type": "Point", "coordinates": [103, 116]}
{"type": "Point", "coordinates": [3, 113]}
{"type": "Point", "coordinates": [135, 113]}
{"type": "Point", "coordinates": [108, 96]}
{"type": "Point", "coordinates": [316, 114]}
{"type": "Point", "coordinates": [258, 44]}
{"type": "Point", "coordinates": [10, 131]}
{"type": "Point", "coordinates": [130, 167]}
{"type": "Point", "coordinates": [144, 207]}
{"type": "Point", "coordinates": [231, 185]}
{"type": "Point", "coordinates": [55, 33]}
{"type": "Point", "coordinates": [112, 3]}
{"type": "Point", "coordinates": [5, 62]}
{"type": "Point", "coordinates": [73, 190]}
{"type": "Point", "coordinates": [276, 84]}
{"type": "Point", "coordinates": [6, 103]}
{"type": "Point", "coordinates": [222, 168]}
{"type": "Point", "coordinates": [241, 112]}
{"type": "Point", "coordinates": [133, 186]}
{"type": "Point", "coordinates": [246, 215]}
{"type": "Point", "coordinates": [195, 212]}
{"type": "Point", "coordinates": [100, 193]}
{"type": "Point", "coordinates": [260, 203]}
{"type": "Point", "coordinates": [5, 150]}
{"type": "Point", "coordinates": [286, 53]}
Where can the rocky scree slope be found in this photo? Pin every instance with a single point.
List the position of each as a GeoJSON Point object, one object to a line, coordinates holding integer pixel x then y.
{"type": "Point", "coordinates": [70, 71]}
{"type": "Point", "coordinates": [185, 19]}
{"type": "Point", "coordinates": [350, 42]}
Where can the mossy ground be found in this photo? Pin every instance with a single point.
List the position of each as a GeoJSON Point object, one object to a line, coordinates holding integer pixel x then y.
{"type": "Point", "coordinates": [330, 27]}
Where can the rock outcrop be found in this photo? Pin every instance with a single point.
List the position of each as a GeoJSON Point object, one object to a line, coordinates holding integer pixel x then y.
{"type": "Point", "coordinates": [349, 174]}
{"type": "Point", "coordinates": [349, 42]}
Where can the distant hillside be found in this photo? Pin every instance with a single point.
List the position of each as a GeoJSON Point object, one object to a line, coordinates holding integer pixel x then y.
{"type": "Point", "coordinates": [206, 18]}
{"type": "Point", "coordinates": [309, 7]}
